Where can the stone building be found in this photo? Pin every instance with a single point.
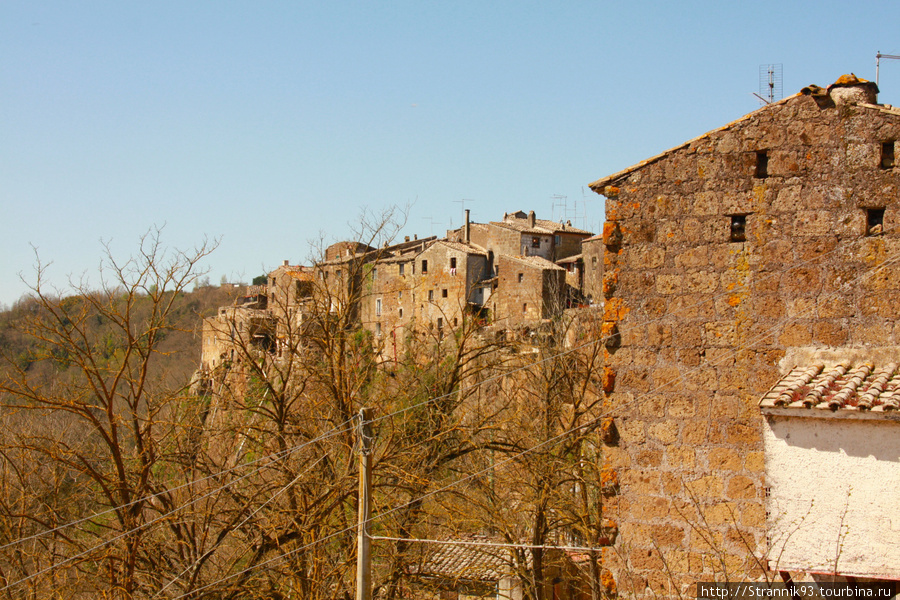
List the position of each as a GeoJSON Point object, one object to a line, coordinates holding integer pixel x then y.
{"type": "Point", "coordinates": [592, 260]}
{"type": "Point", "coordinates": [766, 244]}
{"type": "Point", "coordinates": [423, 284]}
{"type": "Point", "coordinates": [529, 289]}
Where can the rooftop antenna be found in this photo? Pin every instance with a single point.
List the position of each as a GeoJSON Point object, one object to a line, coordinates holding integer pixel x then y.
{"type": "Point", "coordinates": [432, 223]}
{"type": "Point", "coordinates": [878, 57]}
{"type": "Point", "coordinates": [559, 200]}
{"type": "Point", "coordinates": [462, 211]}
{"type": "Point", "coordinates": [771, 83]}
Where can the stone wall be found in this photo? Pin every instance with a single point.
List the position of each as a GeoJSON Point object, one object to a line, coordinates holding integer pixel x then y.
{"type": "Point", "coordinates": [720, 255]}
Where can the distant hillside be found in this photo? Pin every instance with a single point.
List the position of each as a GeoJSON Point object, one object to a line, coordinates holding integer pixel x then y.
{"type": "Point", "coordinates": [180, 348]}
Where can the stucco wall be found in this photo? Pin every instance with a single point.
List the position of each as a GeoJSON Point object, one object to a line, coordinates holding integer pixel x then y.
{"type": "Point", "coordinates": [833, 495]}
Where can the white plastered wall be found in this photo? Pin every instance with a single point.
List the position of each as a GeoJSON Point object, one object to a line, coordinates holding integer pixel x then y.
{"type": "Point", "coordinates": [834, 493]}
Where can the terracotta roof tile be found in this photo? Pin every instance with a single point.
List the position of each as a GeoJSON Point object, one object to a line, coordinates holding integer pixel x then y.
{"type": "Point", "coordinates": [842, 386]}
{"type": "Point", "coordinates": [473, 562]}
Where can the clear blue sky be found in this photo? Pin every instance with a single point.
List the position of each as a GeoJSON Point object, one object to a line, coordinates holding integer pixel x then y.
{"type": "Point", "coordinates": [268, 123]}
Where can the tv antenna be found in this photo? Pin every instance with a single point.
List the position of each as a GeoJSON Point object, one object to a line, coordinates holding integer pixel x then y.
{"type": "Point", "coordinates": [771, 83]}
{"type": "Point", "coordinates": [878, 57]}
{"type": "Point", "coordinates": [559, 201]}
{"type": "Point", "coordinates": [463, 210]}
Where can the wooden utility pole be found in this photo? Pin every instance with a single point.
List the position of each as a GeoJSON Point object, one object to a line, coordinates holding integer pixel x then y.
{"type": "Point", "coordinates": [363, 555]}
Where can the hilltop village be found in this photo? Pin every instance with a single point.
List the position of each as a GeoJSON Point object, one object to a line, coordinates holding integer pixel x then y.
{"type": "Point", "coordinates": [746, 283]}
{"type": "Point", "coordinates": [515, 273]}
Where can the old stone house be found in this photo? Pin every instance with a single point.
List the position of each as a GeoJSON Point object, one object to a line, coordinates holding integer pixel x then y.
{"type": "Point", "coordinates": [529, 289]}
{"type": "Point", "coordinates": [767, 244]}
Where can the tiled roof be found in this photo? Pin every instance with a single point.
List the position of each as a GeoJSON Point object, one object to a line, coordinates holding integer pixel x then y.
{"type": "Point", "coordinates": [535, 261]}
{"type": "Point", "coordinates": [844, 386]}
{"type": "Point", "coordinates": [473, 562]}
{"type": "Point", "coordinates": [461, 247]}
{"type": "Point", "coordinates": [519, 225]}
{"type": "Point", "coordinates": [598, 185]}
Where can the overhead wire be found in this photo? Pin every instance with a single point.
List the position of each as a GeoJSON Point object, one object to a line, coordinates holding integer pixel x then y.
{"type": "Point", "coordinates": [630, 404]}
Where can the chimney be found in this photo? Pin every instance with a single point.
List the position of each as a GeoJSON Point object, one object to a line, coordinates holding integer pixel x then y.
{"type": "Point", "coordinates": [415, 236]}
{"type": "Point", "coordinates": [531, 218]}
{"type": "Point", "coordinates": [466, 228]}
{"type": "Point", "coordinates": [285, 263]}
{"type": "Point", "coordinates": [406, 238]}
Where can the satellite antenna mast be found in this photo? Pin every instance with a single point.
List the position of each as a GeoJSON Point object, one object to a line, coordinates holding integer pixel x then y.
{"type": "Point", "coordinates": [771, 83]}
{"type": "Point", "coordinates": [878, 57]}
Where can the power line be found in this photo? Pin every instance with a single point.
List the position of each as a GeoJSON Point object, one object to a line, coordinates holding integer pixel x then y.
{"type": "Point", "coordinates": [636, 401]}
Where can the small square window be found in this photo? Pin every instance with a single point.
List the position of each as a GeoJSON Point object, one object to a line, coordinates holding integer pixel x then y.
{"type": "Point", "coordinates": [762, 164]}
{"type": "Point", "coordinates": [887, 155]}
{"type": "Point", "coordinates": [874, 221]}
{"type": "Point", "coordinates": [535, 242]}
{"type": "Point", "coordinates": [738, 229]}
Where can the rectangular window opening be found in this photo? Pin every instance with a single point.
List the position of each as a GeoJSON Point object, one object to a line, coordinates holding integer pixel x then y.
{"type": "Point", "coordinates": [378, 307]}
{"type": "Point", "coordinates": [874, 221]}
{"type": "Point", "coordinates": [521, 277]}
{"type": "Point", "coordinates": [431, 295]}
{"type": "Point", "coordinates": [535, 242]}
{"type": "Point", "coordinates": [524, 308]}
{"type": "Point", "coordinates": [738, 230]}
{"type": "Point", "coordinates": [444, 293]}
{"type": "Point", "coordinates": [887, 155]}
{"type": "Point", "coordinates": [401, 266]}
{"type": "Point", "coordinates": [762, 164]}
{"type": "Point", "coordinates": [424, 267]}
{"type": "Point", "coordinates": [452, 262]}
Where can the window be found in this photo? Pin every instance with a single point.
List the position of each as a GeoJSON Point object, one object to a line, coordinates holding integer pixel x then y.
{"type": "Point", "coordinates": [738, 230]}
{"type": "Point", "coordinates": [524, 308]}
{"type": "Point", "coordinates": [401, 268]}
{"type": "Point", "coordinates": [762, 164]}
{"type": "Point", "coordinates": [874, 221]}
{"type": "Point", "coordinates": [455, 322]}
{"type": "Point", "coordinates": [593, 261]}
{"type": "Point", "coordinates": [374, 274]}
{"type": "Point", "coordinates": [401, 312]}
{"type": "Point", "coordinates": [556, 240]}
{"type": "Point", "coordinates": [535, 242]}
{"type": "Point", "coordinates": [378, 329]}
{"type": "Point", "coordinates": [444, 293]}
{"type": "Point", "coordinates": [452, 262]}
{"type": "Point", "coordinates": [424, 267]}
{"type": "Point", "coordinates": [400, 295]}
{"type": "Point", "coordinates": [521, 277]}
{"type": "Point", "coordinates": [431, 295]}
{"type": "Point", "coordinates": [887, 155]}
{"type": "Point", "coordinates": [378, 307]}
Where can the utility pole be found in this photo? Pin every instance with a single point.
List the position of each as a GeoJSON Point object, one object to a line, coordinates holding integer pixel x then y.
{"type": "Point", "coordinates": [363, 554]}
